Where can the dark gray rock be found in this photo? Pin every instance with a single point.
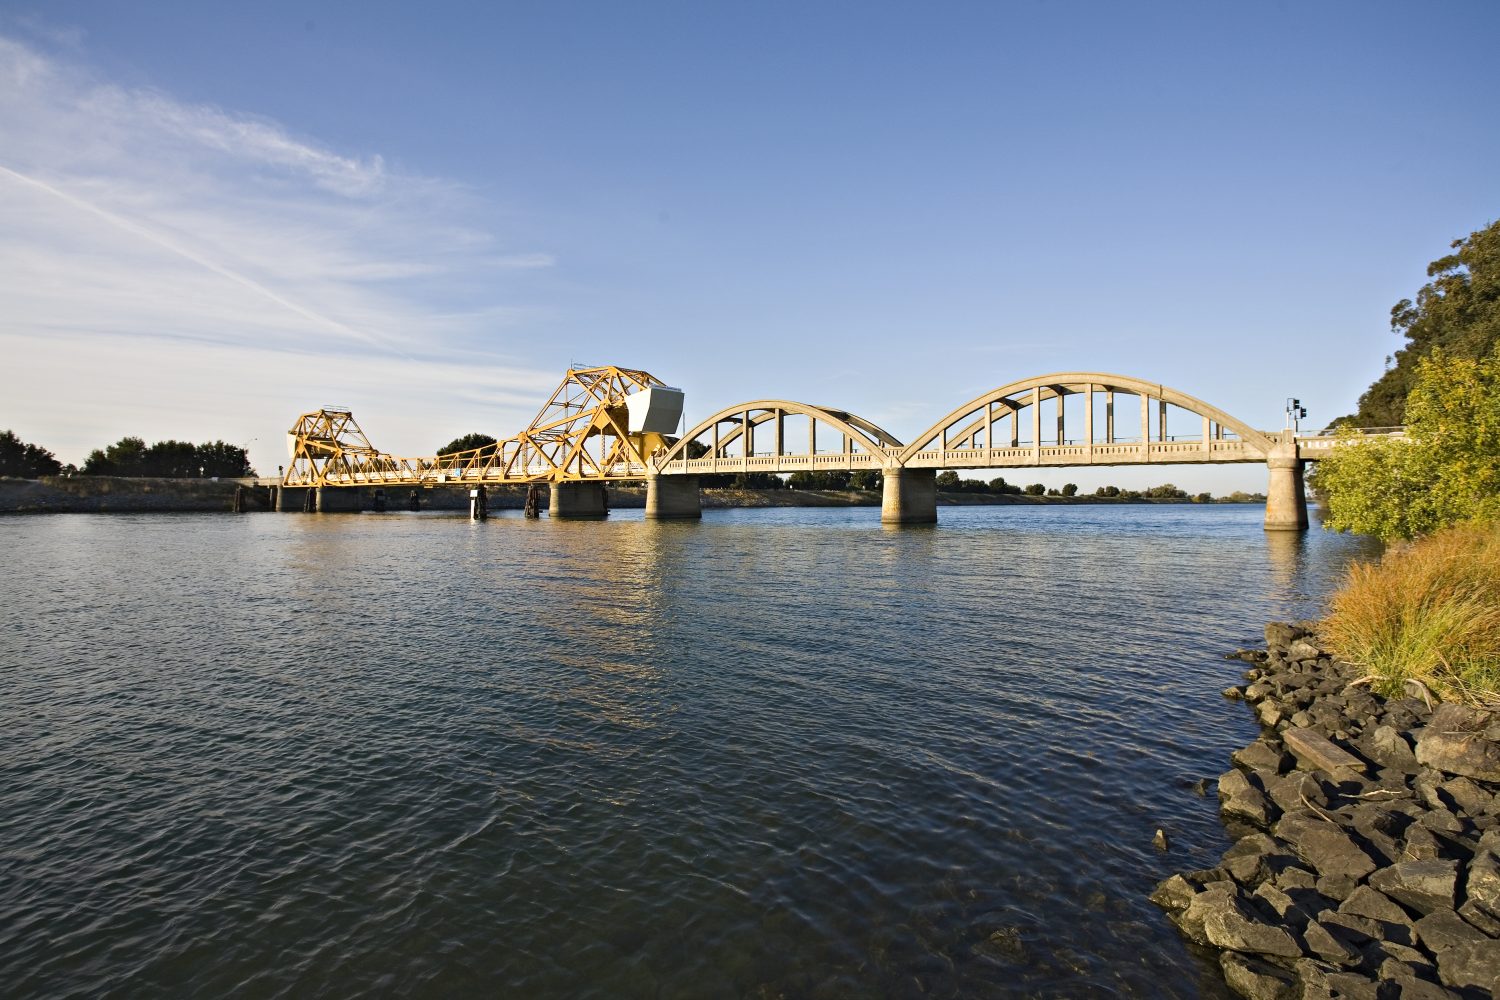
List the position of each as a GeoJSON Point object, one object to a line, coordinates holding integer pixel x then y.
{"type": "Point", "coordinates": [1387, 747]}
{"type": "Point", "coordinates": [1454, 742]}
{"type": "Point", "coordinates": [1324, 845]}
{"type": "Point", "coordinates": [1473, 965]}
{"type": "Point", "coordinates": [1482, 884]}
{"type": "Point", "coordinates": [1174, 894]}
{"type": "Point", "coordinates": [1257, 979]}
{"type": "Point", "coordinates": [1301, 649]}
{"type": "Point", "coordinates": [1464, 793]}
{"type": "Point", "coordinates": [1367, 902]}
{"type": "Point", "coordinates": [1254, 858]}
{"type": "Point", "coordinates": [1419, 844]}
{"type": "Point", "coordinates": [1239, 798]}
{"type": "Point", "coordinates": [1263, 755]}
{"type": "Point", "coordinates": [1333, 944]}
{"type": "Point", "coordinates": [1295, 878]}
{"type": "Point", "coordinates": [1443, 929]}
{"type": "Point", "coordinates": [1337, 887]}
{"type": "Point", "coordinates": [1270, 713]}
{"type": "Point", "coordinates": [1425, 886]}
{"type": "Point", "coordinates": [1280, 635]}
{"type": "Point", "coordinates": [1476, 916]}
{"type": "Point", "coordinates": [1225, 921]}
{"type": "Point", "coordinates": [1442, 821]}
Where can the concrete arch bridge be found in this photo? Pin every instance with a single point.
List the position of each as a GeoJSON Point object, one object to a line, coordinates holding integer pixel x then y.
{"type": "Point", "coordinates": [609, 424]}
{"type": "Point", "coordinates": [1058, 420]}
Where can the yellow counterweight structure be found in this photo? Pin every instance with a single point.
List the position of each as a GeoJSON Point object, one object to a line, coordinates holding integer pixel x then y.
{"type": "Point", "coordinates": [603, 423]}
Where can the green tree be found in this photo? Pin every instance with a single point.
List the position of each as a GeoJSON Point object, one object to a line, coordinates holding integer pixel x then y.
{"type": "Point", "coordinates": [25, 461]}
{"type": "Point", "coordinates": [1458, 312]}
{"type": "Point", "coordinates": [466, 443]}
{"type": "Point", "coordinates": [1166, 491]}
{"type": "Point", "coordinates": [1107, 491]}
{"type": "Point", "coordinates": [947, 480]}
{"type": "Point", "coordinates": [1070, 489]}
{"type": "Point", "coordinates": [126, 457]}
{"type": "Point", "coordinates": [216, 458]}
{"type": "Point", "coordinates": [1036, 490]}
{"type": "Point", "coordinates": [1446, 470]}
{"type": "Point", "coordinates": [867, 479]}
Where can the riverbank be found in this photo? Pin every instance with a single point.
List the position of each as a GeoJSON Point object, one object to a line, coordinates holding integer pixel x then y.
{"type": "Point", "coordinates": [113, 494]}
{"type": "Point", "coordinates": [1367, 862]}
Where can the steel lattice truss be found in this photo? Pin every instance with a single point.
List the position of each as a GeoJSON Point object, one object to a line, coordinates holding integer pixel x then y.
{"type": "Point", "coordinates": [581, 434]}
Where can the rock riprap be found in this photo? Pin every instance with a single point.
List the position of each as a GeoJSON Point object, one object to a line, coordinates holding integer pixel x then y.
{"type": "Point", "coordinates": [1367, 855]}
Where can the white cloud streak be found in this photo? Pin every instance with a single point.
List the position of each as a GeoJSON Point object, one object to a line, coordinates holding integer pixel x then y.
{"type": "Point", "coordinates": [188, 271]}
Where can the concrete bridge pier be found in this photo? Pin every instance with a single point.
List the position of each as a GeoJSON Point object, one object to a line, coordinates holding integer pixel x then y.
{"type": "Point", "coordinates": [673, 498]}
{"type": "Point", "coordinates": [909, 497]}
{"type": "Point", "coordinates": [341, 499]}
{"type": "Point", "coordinates": [292, 497]}
{"type": "Point", "coordinates": [1286, 496]}
{"type": "Point", "coordinates": [578, 500]}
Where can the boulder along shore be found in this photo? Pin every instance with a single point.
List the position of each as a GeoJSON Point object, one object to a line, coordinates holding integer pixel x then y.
{"type": "Point", "coordinates": [1367, 863]}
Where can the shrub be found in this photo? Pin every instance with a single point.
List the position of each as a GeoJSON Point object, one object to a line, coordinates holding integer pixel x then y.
{"type": "Point", "coordinates": [1429, 610]}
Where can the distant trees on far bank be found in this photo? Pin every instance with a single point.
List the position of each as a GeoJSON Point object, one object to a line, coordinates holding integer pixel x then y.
{"type": "Point", "coordinates": [133, 458]}
{"type": "Point", "coordinates": [25, 461]}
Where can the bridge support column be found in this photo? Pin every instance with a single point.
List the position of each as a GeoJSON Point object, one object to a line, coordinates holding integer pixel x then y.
{"type": "Point", "coordinates": [673, 498]}
{"type": "Point", "coordinates": [1286, 497]}
{"type": "Point", "coordinates": [340, 499]}
{"type": "Point", "coordinates": [909, 497]}
{"type": "Point", "coordinates": [292, 497]}
{"type": "Point", "coordinates": [578, 500]}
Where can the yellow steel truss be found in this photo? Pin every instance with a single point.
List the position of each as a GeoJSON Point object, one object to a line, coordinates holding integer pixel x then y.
{"type": "Point", "coordinates": [582, 433]}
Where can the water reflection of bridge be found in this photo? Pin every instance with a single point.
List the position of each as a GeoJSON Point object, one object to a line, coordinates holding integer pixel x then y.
{"type": "Point", "coordinates": [595, 432]}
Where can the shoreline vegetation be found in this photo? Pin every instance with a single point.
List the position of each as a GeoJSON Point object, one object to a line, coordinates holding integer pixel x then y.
{"type": "Point", "coordinates": [122, 494]}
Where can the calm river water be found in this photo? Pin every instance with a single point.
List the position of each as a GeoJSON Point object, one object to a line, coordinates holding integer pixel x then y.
{"type": "Point", "coordinates": [775, 753]}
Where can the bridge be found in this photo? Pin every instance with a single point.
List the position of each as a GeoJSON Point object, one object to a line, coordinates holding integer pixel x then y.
{"type": "Point", "coordinates": [608, 424]}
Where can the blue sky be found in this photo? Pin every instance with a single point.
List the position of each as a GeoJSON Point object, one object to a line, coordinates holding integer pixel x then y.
{"type": "Point", "coordinates": [218, 216]}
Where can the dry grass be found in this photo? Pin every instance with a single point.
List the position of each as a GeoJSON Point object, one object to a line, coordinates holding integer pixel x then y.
{"type": "Point", "coordinates": [1428, 610]}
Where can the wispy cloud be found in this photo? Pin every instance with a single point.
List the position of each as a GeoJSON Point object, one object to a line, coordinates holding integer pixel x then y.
{"type": "Point", "coordinates": [161, 257]}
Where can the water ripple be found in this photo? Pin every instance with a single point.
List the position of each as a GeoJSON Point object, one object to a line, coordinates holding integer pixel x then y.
{"type": "Point", "coordinates": [778, 753]}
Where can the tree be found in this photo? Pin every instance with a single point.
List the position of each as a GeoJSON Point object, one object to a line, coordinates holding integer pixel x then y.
{"type": "Point", "coordinates": [1458, 312]}
{"type": "Point", "coordinates": [1166, 491]}
{"type": "Point", "coordinates": [1107, 491]}
{"type": "Point", "coordinates": [1070, 489]}
{"type": "Point", "coordinates": [1035, 490]}
{"type": "Point", "coordinates": [123, 458]}
{"type": "Point", "coordinates": [466, 443]}
{"type": "Point", "coordinates": [131, 457]}
{"type": "Point", "coordinates": [216, 458]}
{"type": "Point", "coordinates": [867, 479]}
{"type": "Point", "coordinates": [25, 461]}
{"type": "Point", "coordinates": [947, 480]}
{"type": "Point", "coordinates": [1446, 470]}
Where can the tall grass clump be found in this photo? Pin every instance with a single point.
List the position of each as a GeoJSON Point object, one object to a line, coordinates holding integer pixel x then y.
{"type": "Point", "coordinates": [1427, 611]}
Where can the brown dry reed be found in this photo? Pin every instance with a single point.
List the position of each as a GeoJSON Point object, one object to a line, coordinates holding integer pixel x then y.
{"type": "Point", "coordinates": [1429, 611]}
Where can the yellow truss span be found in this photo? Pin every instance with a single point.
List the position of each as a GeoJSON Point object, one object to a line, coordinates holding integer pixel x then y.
{"type": "Point", "coordinates": [582, 433]}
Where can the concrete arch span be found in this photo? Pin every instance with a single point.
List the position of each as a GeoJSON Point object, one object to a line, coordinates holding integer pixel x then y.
{"type": "Point", "coordinates": [744, 426]}
{"type": "Point", "coordinates": [958, 430]}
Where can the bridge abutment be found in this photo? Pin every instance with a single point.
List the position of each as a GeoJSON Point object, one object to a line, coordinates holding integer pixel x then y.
{"type": "Point", "coordinates": [1286, 495]}
{"type": "Point", "coordinates": [909, 496]}
{"type": "Point", "coordinates": [673, 498]}
{"type": "Point", "coordinates": [578, 500]}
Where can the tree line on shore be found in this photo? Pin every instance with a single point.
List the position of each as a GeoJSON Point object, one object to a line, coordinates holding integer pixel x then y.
{"type": "Point", "coordinates": [129, 457]}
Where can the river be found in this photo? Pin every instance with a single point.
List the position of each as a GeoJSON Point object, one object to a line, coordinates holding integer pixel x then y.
{"type": "Point", "coordinates": [781, 752]}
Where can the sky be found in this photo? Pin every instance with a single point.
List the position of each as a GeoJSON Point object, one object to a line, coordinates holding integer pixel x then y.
{"type": "Point", "coordinates": [214, 217]}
